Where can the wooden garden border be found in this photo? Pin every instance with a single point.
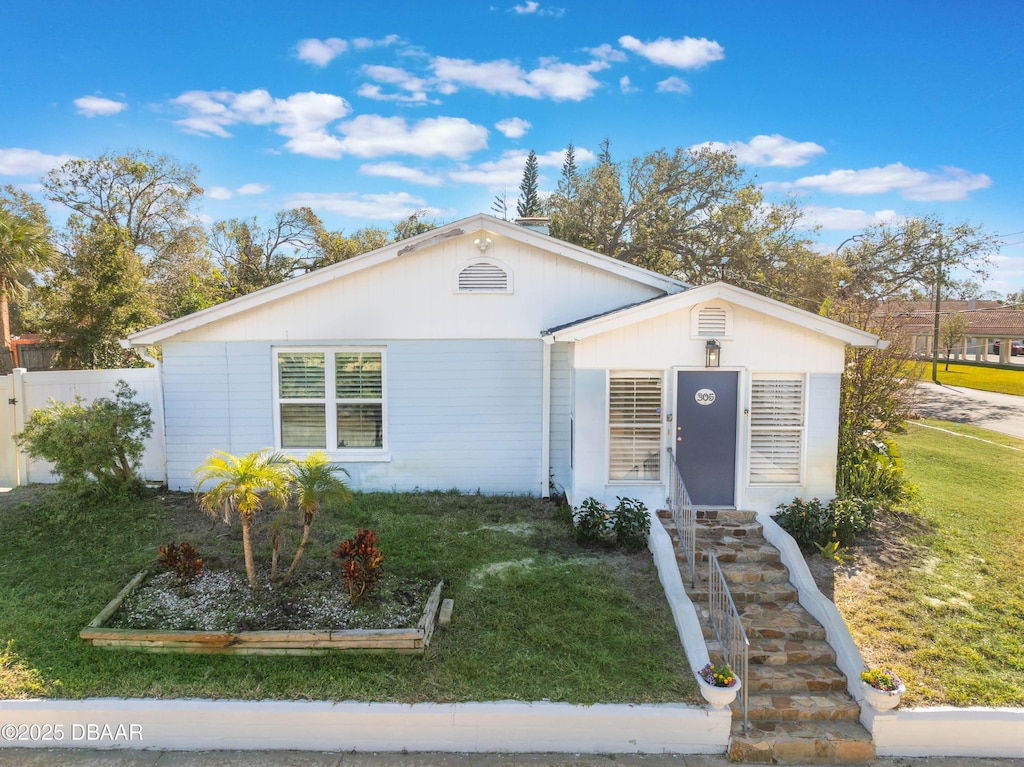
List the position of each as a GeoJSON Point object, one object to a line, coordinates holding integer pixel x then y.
{"type": "Point", "coordinates": [405, 640]}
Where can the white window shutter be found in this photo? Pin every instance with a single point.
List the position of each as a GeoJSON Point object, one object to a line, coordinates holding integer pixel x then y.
{"type": "Point", "coordinates": [776, 431]}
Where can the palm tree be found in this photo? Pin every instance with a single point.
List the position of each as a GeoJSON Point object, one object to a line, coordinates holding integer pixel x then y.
{"type": "Point", "coordinates": [315, 482]}
{"type": "Point", "coordinates": [24, 245]}
{"type": "Point", "coordinates": [243, 487]}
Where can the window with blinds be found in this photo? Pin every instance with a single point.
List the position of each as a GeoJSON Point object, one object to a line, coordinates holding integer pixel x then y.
{"type": "Point", "coordinates": [776, 430]}
{"type": "Point", "coordinates": [634, 422]}
{"type": "Point", "coordinates": [347, 415]}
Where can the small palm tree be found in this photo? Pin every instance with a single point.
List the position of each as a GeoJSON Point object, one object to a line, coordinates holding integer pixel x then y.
{"type": "Point", "coordinates": [24, 246]}
{"type": "Point", "coordinates": [243, 487]}
{"type": "Point", "coordinates": [315, 482]}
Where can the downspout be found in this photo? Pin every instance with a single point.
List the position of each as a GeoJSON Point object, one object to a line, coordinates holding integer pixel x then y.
{"type": "Point", "coordinates": [545, 419]}
{"type": "Point", "coordinates": [158, 365]}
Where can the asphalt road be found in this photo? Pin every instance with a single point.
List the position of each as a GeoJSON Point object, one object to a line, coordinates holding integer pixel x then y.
{"type": "Point", "coordinates": [999, 412]}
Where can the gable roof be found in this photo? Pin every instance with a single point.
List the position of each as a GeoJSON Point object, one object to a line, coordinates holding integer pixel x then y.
{"type": "Point", "coordinates": [985, 319]}
{"type": "Point", "coordinates": [467, 226]}
{"type": "Point", "coordinates": [592, 326]}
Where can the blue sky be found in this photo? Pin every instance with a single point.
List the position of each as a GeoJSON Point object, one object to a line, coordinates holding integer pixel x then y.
{"type": "Point", "coordinates": [370, 111]}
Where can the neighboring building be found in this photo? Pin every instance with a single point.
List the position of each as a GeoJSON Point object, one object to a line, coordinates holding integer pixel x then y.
{"type": "Point", "coordinates": [486, 356]}
{"type": "Point", "coordinates": [992, 327]}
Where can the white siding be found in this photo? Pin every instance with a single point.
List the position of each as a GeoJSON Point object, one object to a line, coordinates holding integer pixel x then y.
{"type": "Point", "coordinates": [561, 415]}
{"type": "Point", "coordinates": [461, 414]}
{"type": "Point", "coordinates": [414, 296]}
{"type": "Point", "coordinates": [759, 343]}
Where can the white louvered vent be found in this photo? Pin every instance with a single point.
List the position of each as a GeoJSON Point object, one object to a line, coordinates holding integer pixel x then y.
{"type": "Point", "coordinates": [483, 276]}
{"type": "Point", "coordinates": [634, 412]}
{"type": "Point", "coordinates": [776, 431]}
{"type": "Point", "coordinates": [712, 321]}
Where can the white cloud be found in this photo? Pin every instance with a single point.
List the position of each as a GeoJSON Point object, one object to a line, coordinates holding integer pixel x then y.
{"type": "Point", "coordinates": [97, 106]}
{"type": "Point", "coordinates": [29, 162]}
{"type": "Point", "coordinates": [375, 92]}
{"type": "Point", "coordinates": [302, 117]}
{"type": "Point", "coordinates": [383, 207]}
{"type": "Point", "coordinates": [553, 79]}
{"type": "Point", "coordinates": [376, 136]}
{"type": "Point", "coordinates": [219, 193]}
{"type": "Point", "coordinates": [321, 52]}
{"type": "Point", "coordinates": [362, 43]}
{"type": "Point", "coordinates": [626, 85]}
{"type": "Point", "coordinates": [415, 87]}
{"type": "Point", "coordinates": [673, 85]}
{"type": "Point", "coordinates": [687, 53]}
{"type": "Point", "coordinates": [250, 189]}
{"type": "Point", "coordinates": [773, 151]}
{"type": "Point", "coordinates": [401, 172]}
{"type": "Point", "coordinates": [844, 218]}
{"type": "Point", "coordinates": [507, 171]}
{"type": "Point", "coordinates": [532, 7]}
{"type": "Point", "coordinates": [513, 127]}
{"type": "Point", "coordinates": [606, 52]}
{"type": "Point", "coordinates": [947, 185]}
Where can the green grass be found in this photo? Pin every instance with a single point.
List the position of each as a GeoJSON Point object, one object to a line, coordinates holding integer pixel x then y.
{"type": "Point", "coordinates": [948, 616]}
{"type": "Point", "coordinates": [1000, 380]}
{"type": "Point", "coordinates": [566, 623]}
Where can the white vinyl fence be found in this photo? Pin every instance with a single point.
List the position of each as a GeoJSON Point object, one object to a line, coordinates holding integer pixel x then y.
{"type": "Point", "coordinates": [24, 391]}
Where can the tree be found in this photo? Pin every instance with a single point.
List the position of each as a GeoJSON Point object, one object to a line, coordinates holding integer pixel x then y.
{"type": "Point", "coordinates": [96, 295]}
{"type": "Point", "coordinates": [24, 246]}
{"type": "Point", "coordinates": [95, 446]}
{"type": "Point", "coordinates": [952, 330]}
{"type": "Point", "coordinates": [243, 486]}
{"type": "Point", "coordinates": [315, 482]}
{"type": "Point", "coordinates": [500, 206]}
{"type": "Point", "coordinates": [412, 225]}
{"type": "Point", "coordinates": [251, 257]}
{"type": "Point", "coordinates": [529, 197]}
{"type": "Point", "coordinates": [148, 196]}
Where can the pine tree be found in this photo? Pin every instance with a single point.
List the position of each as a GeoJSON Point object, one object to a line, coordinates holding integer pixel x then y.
{"type": "Point", "coordinates": [529, 199]}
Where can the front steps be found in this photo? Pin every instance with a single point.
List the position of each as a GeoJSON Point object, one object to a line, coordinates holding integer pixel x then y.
{"type": "Point", "coordinates": [797, 703]}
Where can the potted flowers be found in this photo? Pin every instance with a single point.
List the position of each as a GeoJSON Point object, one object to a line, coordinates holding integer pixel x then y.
{"type": "Point", "coordinates": [882, 688]}
{"type": "Point", "coordinates": [718, 684]}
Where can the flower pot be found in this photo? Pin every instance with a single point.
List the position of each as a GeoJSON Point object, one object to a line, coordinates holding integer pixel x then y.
{"type": "Point", "coordinates": [883, 700]}
{"type": "Point", "coordinates": [719, 697]}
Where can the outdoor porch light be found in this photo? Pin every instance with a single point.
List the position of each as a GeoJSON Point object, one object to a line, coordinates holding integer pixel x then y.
{"type": "Point", "coordinates": [713, 354]}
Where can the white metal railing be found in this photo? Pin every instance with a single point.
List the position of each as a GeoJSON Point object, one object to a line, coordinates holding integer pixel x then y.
{"type": "Point", "coordinates": [725, 622]}
{"type": "Point", "coordinates": [683, 516]}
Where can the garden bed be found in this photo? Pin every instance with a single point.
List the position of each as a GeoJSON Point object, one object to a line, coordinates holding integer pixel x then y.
{"type": "Point", "coordinates": [104, 631]}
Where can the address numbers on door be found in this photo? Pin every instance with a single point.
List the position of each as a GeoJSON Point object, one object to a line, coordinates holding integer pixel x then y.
{"type": "Point", "coordinates": [704, 396]}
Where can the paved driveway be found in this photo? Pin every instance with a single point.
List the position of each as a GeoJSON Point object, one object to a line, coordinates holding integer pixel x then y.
{"type": "Point", "coordinates": [999, 412]}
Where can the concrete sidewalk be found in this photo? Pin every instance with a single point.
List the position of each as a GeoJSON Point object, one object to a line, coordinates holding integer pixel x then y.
{"type": "Point", "coordinates": [36, 757]}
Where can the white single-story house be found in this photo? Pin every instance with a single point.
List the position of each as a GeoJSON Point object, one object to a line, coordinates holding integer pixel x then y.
{"type": "Point", "coordinates": [484, 355]}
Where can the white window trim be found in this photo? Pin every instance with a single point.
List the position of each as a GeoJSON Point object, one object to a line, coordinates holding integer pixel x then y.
{"type": "Point", "coordinates": [802, 430]}
{"type": "Point", "coordinates": [509, 284]}
{"type": "Point", "coordinates": [346, 454]}
{"type": "Point", "coordinates": [608, 427]}
{"type": "Point", "coordinates": [695, 321]}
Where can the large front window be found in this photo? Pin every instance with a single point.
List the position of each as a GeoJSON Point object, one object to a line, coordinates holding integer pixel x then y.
{"type": "Point", "coordinates": [331, 399]}
{"type": "Point", "coordinates": [634, 421]}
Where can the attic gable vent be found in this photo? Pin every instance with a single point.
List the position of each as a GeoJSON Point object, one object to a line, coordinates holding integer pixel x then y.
{"type": "Point", "coordinates": [484, 277]}
{"type": "Point", "coordinates": [712, 321]}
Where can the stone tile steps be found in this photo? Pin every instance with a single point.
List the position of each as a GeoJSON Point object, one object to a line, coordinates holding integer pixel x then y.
{"type": "Point", "coordinates": [789, 679]}
{"type": "Point", "coordinates": [783, 652]}
{"type": "Point", "coordinates": [725, 515]}
{"type": "Point", "coordinates": [788, 620]}
{"type": "Point", "coordinates": [801, 707]}
{"type": "Point", "coordinates": [801, 743]}
{"type": "Point", "coordinates": [753, 593]}
{"type": "Point", "coordinates": [729, 530]}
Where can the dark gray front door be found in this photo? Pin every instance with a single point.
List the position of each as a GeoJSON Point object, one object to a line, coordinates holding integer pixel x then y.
{"type": "Point", "coordinates": [705, 443]}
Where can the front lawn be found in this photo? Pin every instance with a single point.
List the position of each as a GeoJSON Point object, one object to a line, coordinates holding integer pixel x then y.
{"type": "Point", "coordinates": [1002, 380]}
{"type": "Point", "coordinates": [536, 616]}
{"type": "Point", "coordinates": [938, 595]}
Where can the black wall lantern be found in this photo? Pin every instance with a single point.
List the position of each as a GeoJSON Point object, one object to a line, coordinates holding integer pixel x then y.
{"type": "Point", "coordinates": [713, 355]}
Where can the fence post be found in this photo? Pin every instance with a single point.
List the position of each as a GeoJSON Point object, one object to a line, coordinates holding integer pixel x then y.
{"type": "Point", "coordinates": [20, 457]}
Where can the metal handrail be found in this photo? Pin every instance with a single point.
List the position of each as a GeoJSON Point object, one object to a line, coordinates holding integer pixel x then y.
{"type": "Point", "coordinates": [683, 516]}
{"type": "Point", "coordinates": [725, 622]}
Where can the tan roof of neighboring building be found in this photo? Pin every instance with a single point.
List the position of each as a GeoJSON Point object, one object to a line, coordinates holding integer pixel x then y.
{"type": "Point", "coordinates": [986, 319]}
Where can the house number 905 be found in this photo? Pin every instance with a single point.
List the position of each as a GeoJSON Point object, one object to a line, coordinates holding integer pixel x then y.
{"type": "Point", "coordinates": [704, 397]}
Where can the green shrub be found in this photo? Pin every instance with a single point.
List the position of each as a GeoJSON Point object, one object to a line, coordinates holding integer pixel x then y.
{"type": "Point", "coordinates": [814, 525]}
{"type": "Point", "coordinates": [874, 474]}
{"type": "Point", "coordinates": [627, 525]}
{"type": "Point", "coordinates": [92, 447]}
